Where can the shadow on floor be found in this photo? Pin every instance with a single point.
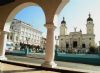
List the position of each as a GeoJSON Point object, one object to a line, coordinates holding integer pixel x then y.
{"type": "Point", "coordinates": [27, 70]}
{"type": "Point", "coordinates": [35, 68]}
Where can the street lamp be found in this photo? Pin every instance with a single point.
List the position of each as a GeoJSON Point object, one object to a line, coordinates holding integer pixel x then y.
{"type": "Point", "coordinates": [99, 45]}
{"type": "Point", "coordinates": [27, 39]}
{"type": "Point", "coordinates": [27, 47]}
{"type": "Point", "coordinates": [56, 38]}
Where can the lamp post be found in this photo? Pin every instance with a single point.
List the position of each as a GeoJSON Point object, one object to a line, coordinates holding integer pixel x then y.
{"type": "Point", "coordinates": [27, 40]}
{"type": "Point", "coordinates": [56, 38]}
{"type": "Point", "coordinates": [99, 43]}
{"type": "Point", "coordinates": [26, 47]}
{"type": "Point", "coordinates": [99, 46]}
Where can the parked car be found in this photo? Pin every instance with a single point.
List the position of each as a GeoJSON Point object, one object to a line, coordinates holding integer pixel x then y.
{"type": "Point", "coordinates": [9, 47]}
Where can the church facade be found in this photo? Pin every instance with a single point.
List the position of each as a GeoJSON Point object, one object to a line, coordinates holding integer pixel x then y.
{"type": "Point", "coordinates": [77, 40]}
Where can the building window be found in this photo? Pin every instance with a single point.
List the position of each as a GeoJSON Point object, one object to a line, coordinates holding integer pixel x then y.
{"type": "Point", "coordinates": [61, 39]}
{"type": "Point", "coordinates": [90, 44]}
{"type": "Point", "coordinates": [13, 22]}
{"type": "Point", "coordinates": [11, 37]}
{"type": "Point", "coordinates": [83, 46]}
{"type": "Point", "coordinates": [11, 27]}
{"type": "Point", "coordinates": [89, 38]}
{"type": "Point", "coordinates": [8, 36]}
{"type": "Point", "coordinates": [16, 38]}
{"type": "Point", "coordinates": [74, 44]}
{"type": "Point", "coordinates": [89, 29]}
{"type": "Point", "coordinates": [67, 45]}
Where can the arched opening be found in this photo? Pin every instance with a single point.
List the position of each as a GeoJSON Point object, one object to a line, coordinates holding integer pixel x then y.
{"type": "Point", "coordinates": [14, 12]}
{"type": "Point", "coordinates": [83, 46]}
{"type": "Point", "coordinates": [50, 29]}
{"type": "Point", "coordinates": [26, 36]}
{"type": "Point", "coordinates": [74, 44]}
{"type": "Point", "coordinates": [67, 45]}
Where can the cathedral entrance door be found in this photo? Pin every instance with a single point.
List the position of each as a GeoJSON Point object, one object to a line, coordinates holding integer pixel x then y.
{"type": "Point", "coordinates": [74, 44]}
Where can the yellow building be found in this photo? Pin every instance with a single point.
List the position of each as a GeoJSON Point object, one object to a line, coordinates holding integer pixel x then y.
{"type": "Point", "coordinates": [77, 40]}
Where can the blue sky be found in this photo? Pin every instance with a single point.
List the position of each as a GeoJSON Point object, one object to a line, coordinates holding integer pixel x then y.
{"type": "Point", "coordinates": [33, 15]}
{"type": "Point", "coordinates": [75, 13]}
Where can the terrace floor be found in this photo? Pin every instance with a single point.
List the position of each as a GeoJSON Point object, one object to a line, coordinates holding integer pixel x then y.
{"type": "Point", "coordinates": [6, 68]}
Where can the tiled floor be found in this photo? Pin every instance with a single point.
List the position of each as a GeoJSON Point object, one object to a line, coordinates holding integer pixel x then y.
{"type": "Point", "coordinates": [6, 68]}
{"type": "Point", "coordinates": [66, 65]}
{"type": "Point", "coordinates": [38, 62]}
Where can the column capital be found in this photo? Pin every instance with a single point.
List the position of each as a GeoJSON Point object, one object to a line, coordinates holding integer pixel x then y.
{"type": "Point", "coordinates": [50, 25]}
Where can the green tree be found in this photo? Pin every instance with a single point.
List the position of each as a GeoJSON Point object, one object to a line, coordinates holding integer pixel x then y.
{"type": "Point", "coordinates": [92, 50]}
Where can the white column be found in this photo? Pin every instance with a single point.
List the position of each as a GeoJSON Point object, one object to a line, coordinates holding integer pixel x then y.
{"type": "Point", "coordinates": [3, 40]}
{"type": "Point", "coordinates": [50, 48]}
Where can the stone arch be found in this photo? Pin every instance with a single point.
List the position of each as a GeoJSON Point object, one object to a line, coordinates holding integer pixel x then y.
{"type": "Point", "coordinates": [61, 6]}
{"type": "Point", "coordinates": [51, 9]}
{"type": "Point", "coordinates": [6, 20]}
{"type": "Point", "coordinates": [14, 12]}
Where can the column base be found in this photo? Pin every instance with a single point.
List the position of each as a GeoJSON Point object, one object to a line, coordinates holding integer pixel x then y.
{"type": "Point", "coordinates": [49, 64]}
{"type": "Point", "coordinates": [3, 58]}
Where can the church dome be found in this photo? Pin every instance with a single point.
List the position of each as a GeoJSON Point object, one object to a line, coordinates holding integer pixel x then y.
{"type": "Point", "coordinates": [63, 21]}
{"type": "Point", "coordinates": [89, 19]}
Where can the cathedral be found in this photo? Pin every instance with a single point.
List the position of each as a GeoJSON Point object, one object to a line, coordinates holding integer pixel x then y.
{"type": "Point", "coordinates": [76, 40]}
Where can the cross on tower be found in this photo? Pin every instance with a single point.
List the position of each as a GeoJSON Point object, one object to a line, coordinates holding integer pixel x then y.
{"type": "Point", "coordinates": [75, 29]}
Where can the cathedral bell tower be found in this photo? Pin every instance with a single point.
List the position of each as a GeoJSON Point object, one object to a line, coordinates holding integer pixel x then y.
{"type": "Point", "coordinates": [63, 28]}
{"type": "Point", "coordinates": [90, 25]}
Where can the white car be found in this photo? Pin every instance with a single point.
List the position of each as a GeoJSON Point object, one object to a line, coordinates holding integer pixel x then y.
{"type": "Point", "coordinates": [9, 47]}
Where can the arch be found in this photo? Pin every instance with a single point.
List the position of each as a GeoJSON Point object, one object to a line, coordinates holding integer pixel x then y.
{"type": "Point", "coordinates": [14, 12]}
{"type": "Point", "coordinates": [75, 44]}
{"type": "Point", "coordinates": [67, 45]}
{"type": "Point", "coordinates": [61, 6]}
{"type": "Point", "coordinates": [83, 45]}
{"type": "Point", "coordinates": [50, 12]}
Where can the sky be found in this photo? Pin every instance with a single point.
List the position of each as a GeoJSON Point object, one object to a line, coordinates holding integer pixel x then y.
{"type": "Point", "coordinates": [75, 13]}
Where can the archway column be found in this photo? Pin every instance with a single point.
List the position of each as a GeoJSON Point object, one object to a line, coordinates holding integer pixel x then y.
{"type": "Point", "coordinates": [3, 40]}
{"type": "Point", "coordinates": [50, 48]}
